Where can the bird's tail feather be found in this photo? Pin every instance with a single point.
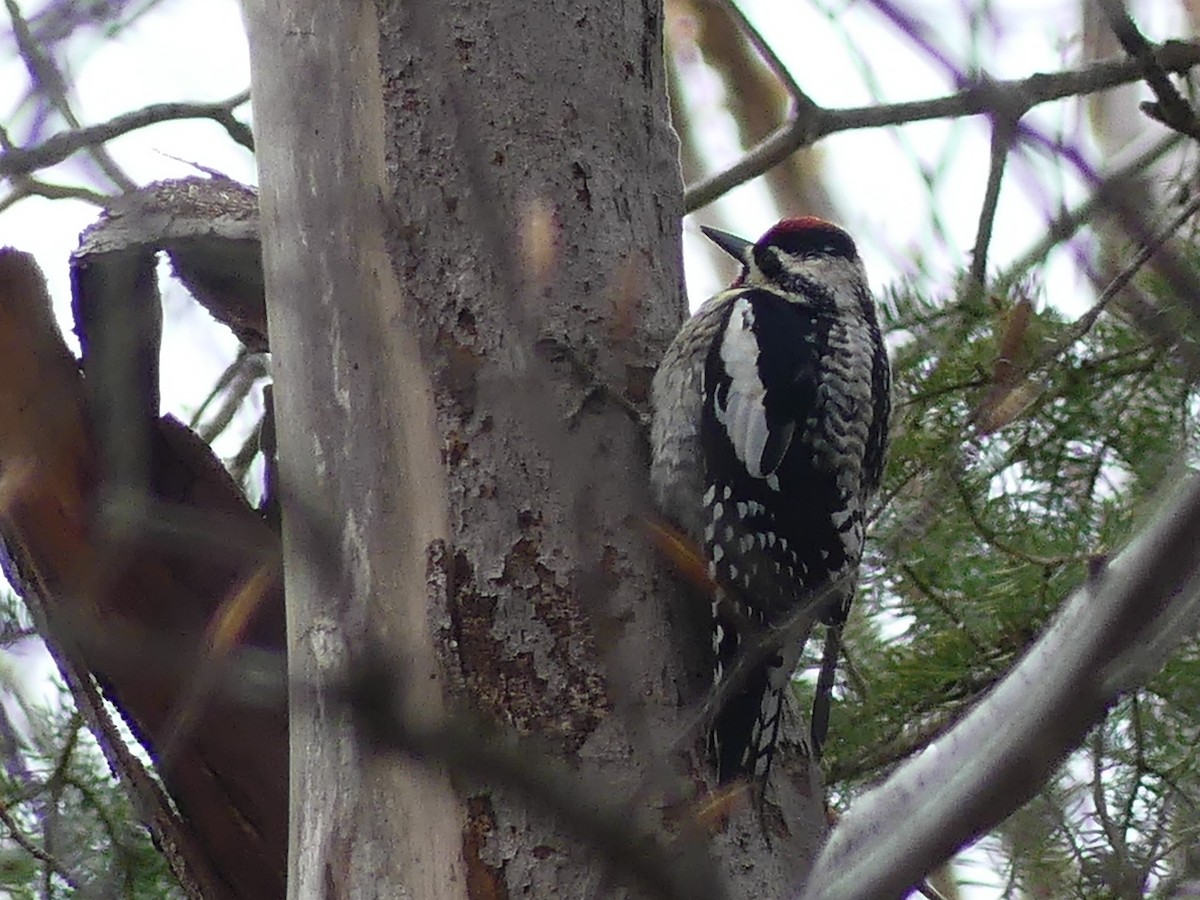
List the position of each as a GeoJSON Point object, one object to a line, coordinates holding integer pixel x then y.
{"type": "Point", "coordinates": [824, 695]}
{"type": "Point", "coordinates": [746, 730]}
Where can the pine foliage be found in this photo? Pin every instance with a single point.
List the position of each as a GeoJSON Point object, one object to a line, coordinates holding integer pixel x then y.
{"type": "Point", "coordinates": [68, 827]}
{"type": "Point", "coordinates": [1021, 457]}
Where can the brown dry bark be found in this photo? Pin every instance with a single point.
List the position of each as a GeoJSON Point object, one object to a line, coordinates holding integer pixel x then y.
{"type": "Point", "coordinates": [137, 611]}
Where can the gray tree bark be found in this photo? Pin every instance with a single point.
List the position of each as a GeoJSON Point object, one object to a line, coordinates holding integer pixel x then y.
{"type": "Point", "coordinates": [358, 454]}
{"type": "Point", "coordinates": [453, 192]}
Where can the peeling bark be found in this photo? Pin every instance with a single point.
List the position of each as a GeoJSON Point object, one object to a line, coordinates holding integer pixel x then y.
{"type": "Point", "coordinates": [471, 211]}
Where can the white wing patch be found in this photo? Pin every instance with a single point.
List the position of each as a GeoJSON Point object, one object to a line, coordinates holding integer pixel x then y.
{"type": "Point", "coordinates": [744, 414]}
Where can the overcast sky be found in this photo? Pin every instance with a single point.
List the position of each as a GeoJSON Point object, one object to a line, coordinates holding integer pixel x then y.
{"type": "Point", "coordinates": [191, 50]}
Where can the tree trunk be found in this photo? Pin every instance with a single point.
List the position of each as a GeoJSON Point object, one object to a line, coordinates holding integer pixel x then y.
{"type": "Point", "coordinates": [453, 193]}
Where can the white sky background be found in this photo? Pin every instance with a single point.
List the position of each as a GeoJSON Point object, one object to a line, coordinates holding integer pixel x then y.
{"type": "Point", "coordinates": [196, 50]}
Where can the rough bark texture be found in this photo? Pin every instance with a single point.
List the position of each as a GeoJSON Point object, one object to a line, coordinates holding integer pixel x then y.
{"type": "Point", "coordinates": [494, 113]}
{"type": "Point", "coordinates": [358, 456]}
{"type": "Point", "coordinates": [452, 193]}
{"type": "Point", "coordinates": [208, 228]}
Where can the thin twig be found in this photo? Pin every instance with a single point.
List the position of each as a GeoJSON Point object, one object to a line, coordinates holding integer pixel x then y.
{"type": "Point", "coordinates": [795, 93]}
{"type": "Point", "coordinates": [927, 890]}
{"type": "Point", "coordinates": [1171, 109]}
{"type": "Point", "coordinates": [1003, 131]}
{"type": "Point", "coordinates": [975, 99]}
{"type": "Point", "coordinates": [1064, 226]}
{"type": "Point", "coordinates": [23, 841]}
{"type": "Point", "coordinates": [32, 187]}
{"type": "Point", "coordinates": [1140, 767]}
{"type": "Point", "coordinates": [46, 76]}
{"type": "Point", "coordinates": [226, 378]}
{"type": "Point", "coordinates": [22, 161]}
{"type": "Point", "coordinates": [989, 535]}
{"type": "Point", "coordinates": [1172, 266]}
{"type": "Point", "coordinates": [243, 373]}
{"type": "Point", "coordinates": [1085, 322]}
{"type": "Point", "coordinates": [1158, 849]}
{"type": "Point", "coordinates": [14, 635]}
{"type": "Point", "coordinates": [1100, 799]}
{"type": "Point", "coordinates": [942, 604]}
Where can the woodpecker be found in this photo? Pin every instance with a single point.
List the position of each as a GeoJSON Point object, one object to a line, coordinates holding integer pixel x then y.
{"type": "Point", "coordinates": [770, 424]}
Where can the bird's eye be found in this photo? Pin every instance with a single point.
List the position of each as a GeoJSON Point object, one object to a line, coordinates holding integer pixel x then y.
{"type": "Point", "coordinates": [822, 240]}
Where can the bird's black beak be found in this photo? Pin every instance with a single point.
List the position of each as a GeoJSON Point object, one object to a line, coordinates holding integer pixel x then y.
{"type": "Point", "coordinates": [731, 244]}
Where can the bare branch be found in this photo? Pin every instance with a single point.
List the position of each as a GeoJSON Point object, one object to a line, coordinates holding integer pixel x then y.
{"type": "Point", "coordinates": [1171, 109]}
{"type": "Point", "coordinates": [22, 161]}
{"type": "Point", "coordinates": [1140, 767]}
{"type": "Point", "coordinates": [47, 77]}
{"type": "Point", "coordinates": [1085, 322]}
{"type": "Point", "coordinates": [1003, 131]}
{"type": "Point", "coordinates": [1007, 97]}
{"type": "Point", "coordinates": [22, 840]}
{"type": "Point", "coordinates": [1115, 838]}
{"type": "Point", "coordinates": [32, 187]}
{"type": "Point", "coordinates": [236, 382]}
{"type": "Point", "coordinates": [1064, 226]}
{"type": "Point", "coordinates": [795, 93]}
{"type": "Point", "coordinates": [1113, 633]}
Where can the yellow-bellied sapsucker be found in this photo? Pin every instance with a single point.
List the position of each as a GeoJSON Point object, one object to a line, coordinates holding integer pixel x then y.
{"type": "Point", "coordinates": [771, 411]}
